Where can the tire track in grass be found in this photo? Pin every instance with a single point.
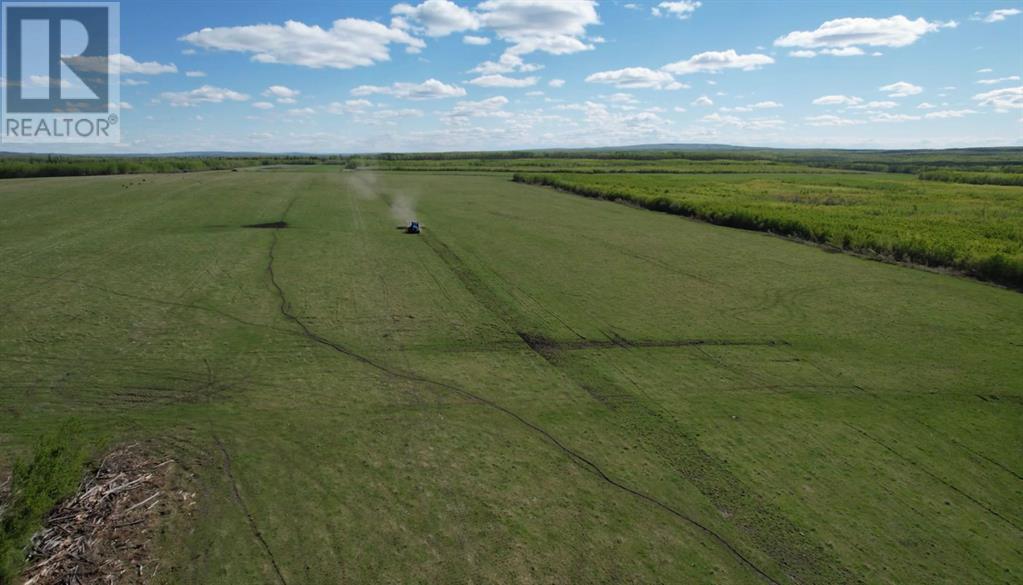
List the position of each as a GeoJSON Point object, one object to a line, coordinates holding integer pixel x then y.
{"type": "Point", "coordinates": [934, 476]}
{"type": "Point", "coordinates": [144, 299]}
{"type": "Point", "coordinates": [574, 456]}
{"type": "Point", "coordinates": [768, 529]}
{"type": "Point", "coordinates": [964, 447]}
{"type": "Point", "coordinates": [248, 514]}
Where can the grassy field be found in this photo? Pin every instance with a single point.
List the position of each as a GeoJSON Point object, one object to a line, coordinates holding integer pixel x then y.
{"type": "Point", "coordinates": [975, 229]}
{"type": "Point", "coordinates": [594, 165]}
{"type": "Point", "coordinates": [541, 388]}
{"type": "Point", "coordinates": [970, 165]}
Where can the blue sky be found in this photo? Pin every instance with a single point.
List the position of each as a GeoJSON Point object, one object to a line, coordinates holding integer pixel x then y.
{"type": "Point", "coordinates": [503, 74]}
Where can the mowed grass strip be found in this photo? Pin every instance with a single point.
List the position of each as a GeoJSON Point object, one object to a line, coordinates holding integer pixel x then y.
{"type": "Point", "coordinates": [975, 229]}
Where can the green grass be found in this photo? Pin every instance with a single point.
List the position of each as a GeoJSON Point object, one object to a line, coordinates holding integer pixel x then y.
{"type": "Point", "coordinates": [829, 419]}
{"type": "Point", "coordinates": [974, 229]}
{"type": "Point", "coordinates": [37, 484]}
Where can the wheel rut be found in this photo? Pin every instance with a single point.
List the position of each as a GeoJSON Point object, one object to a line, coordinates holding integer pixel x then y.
{"type": "Point", "coordinates": [248, 514]}
{"type": "Point", "coordinates": [935, 477]}
{"type": "Point", "coordinates": [760, 525]}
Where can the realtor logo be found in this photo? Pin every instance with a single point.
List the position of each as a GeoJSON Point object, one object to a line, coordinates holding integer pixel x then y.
{"type": "Point", "coordinates": [60, 72]}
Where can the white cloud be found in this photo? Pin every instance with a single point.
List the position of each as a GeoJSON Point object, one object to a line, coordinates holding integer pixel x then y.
{"type": "Point", "coordinates": [357, 105]}
{"type": "Point", "coordinates": [129, 66]}
{"type": "Point", "coordinates": [301, 112]}
{"type": "Point", "coordinates": [941, 114]}
{"type": "Point", "coordinates": [837, 100]}
{"type": "Point", "coordinates": [524, 19]}
{"type": "Point", "coordinates": [587, 106]}
{"type": "Point", "coordinates": [895, 31]}
{"type": "Point", "coordinates": [204, 94]}
{"type": "Point", "coordinates": [283, 94]}
{"type": "Point", "coordinates": [702, 101]}
{"type": "Point", "coordinates": [926, 106]}
{"type": "Point", "coordinates": [996, 15]}
{"type": "Point", "coordinates": [262, 105]}
{"type": "Point", "coordinates": [1003, 100]}
{"type": "Point", "coordinates": [901, 89]}
{"type": "Point", "coordinates": [829, 120]}
{"type": "Point", "coordinates": [438, 18]}
{"type": "Point", "coordinates": [681, 9]}
{"type": "Point", "coordinates": [752, 107]}
{"type": "Point", "coordinates": [615, 124]}
{"type": "Point", "coordinates": [475, 40]}
{"type": "Point", "coordinates": [133, 82]}
{"type": "Point", "coordinates": [750, 124]}
{"type": "Point", "coordinates": [482, 108]}
{"type": "Point", "coordinates": [876, 105]}
{"type": "Point", "coordinates": [503, 81]}
{"type": "Point", "coordinates": [999, 80]}
{"type": "Point", "coordinates": [622, 98]}
{"type": "Point", "coordinates": [885, 117]}
{"type": "Point", "coordinates": [195, 74]}
{"type": "Point", "coordinates": [45, 80]}
{"type": "Point", "coordinates": [636, 78]}
{"type": "Point", "coordinates": [733, 120]}
{"type": "Point", "coordinates": [679, 109]}
{"type": "Point", "coordinates": [834, 52]}
{"type": "Point", "coordinates": [125, 106]}
{"type": "Point", "coordinates": [507, 63]}
{"type": "Point", "coordinates": [711, 61]}
{"type": "Point", "coordinates": [427, 90]}
{"type": "Point", "coordinates": [350, 42]}
{"type": "Point", "coordinates": [843, 52]}
{"type": "Point", "coordinates": [528, 26]}
{"type": "Point", "coordinates": [534, 93]}
{"type": "Point", "coordinates": [383, 115]}
{"type": "Point", "coordinates": [375, 117]}
{"type": "Point", "coordinates": [556, 82]}
{"type": "Point", "coordinates": [985, 70]}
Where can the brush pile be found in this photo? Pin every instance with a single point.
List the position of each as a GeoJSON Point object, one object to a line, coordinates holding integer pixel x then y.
{"type": "Point", "coordinates": [104, 533]}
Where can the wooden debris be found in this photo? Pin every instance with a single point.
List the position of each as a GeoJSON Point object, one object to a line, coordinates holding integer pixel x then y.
{"type": "Point", "coordinates": [103, 534]}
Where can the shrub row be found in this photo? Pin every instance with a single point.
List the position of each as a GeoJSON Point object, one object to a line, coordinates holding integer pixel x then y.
{"type": "Point", "coordinates": [973, 178]}
{"type": "Point", "coordinates": [30, 167]}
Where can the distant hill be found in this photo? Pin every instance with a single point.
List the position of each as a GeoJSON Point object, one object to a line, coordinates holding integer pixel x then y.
{"type": "Point", "coordinates": [662, 147]}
